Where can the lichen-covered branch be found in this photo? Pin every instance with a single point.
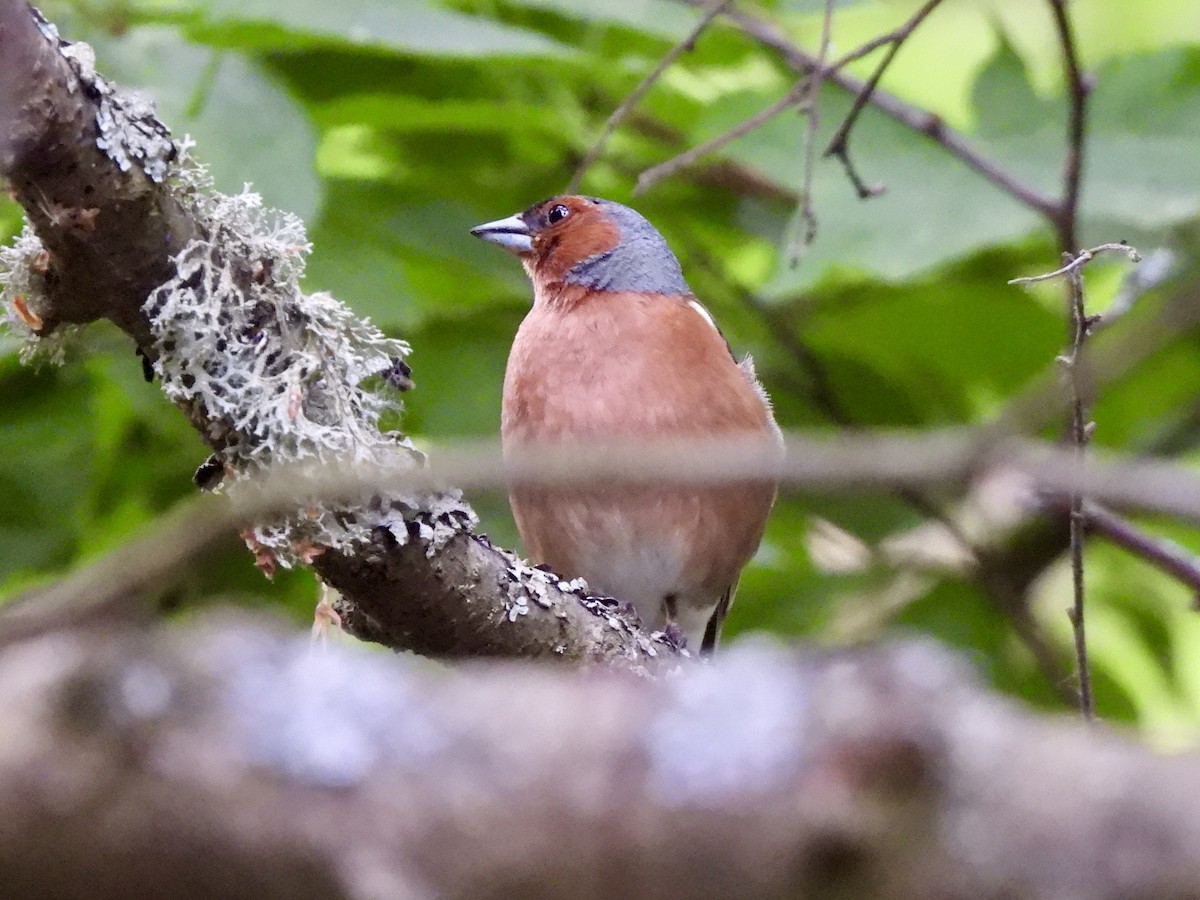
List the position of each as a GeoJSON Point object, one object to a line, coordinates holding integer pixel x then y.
{"type": "Point", "coordinates": [88, 163]}
{"type": "Point", "coordinates": [227, 760]}
{"type": "Point", "coordinates": [124, 225]}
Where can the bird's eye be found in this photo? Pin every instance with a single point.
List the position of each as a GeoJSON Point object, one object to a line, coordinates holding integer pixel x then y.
{"type": "Point", "coordinates": [557, 214]}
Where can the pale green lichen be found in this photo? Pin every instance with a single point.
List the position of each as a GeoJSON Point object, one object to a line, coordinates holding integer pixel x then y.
{"type": "Point", "coordinates": [280, 374]}
{"type": "Point", "coordinates": [22, 284]}
{"type": "Point", "coordinates": [276, 376]}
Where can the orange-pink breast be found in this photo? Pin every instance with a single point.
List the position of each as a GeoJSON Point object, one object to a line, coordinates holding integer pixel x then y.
{"type": "Point", "coordinates": [607, 366]}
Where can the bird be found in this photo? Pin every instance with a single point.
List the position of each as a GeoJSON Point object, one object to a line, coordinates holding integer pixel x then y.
{"type": "Point", "coordinates": [617, 347]}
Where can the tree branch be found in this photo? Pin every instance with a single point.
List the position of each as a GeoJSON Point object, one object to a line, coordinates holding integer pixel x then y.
{"type": "Point", "coordinates": [1080, 434]}
{"type": "Point", "coordinates": [225, 760]}
{"type": "Point", "coordinates": [1166, 555]}
{"type": "Point", "coordinates": [88, 164]}
{"type": "Point", "coordinates": [1067, 214]}
{"type": "Point", "coordinates": [839, 144]}
{"type": "Point", "coordinates": [768, 35]}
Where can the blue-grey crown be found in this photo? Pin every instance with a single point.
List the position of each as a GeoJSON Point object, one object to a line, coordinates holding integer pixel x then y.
{"type": "Point", "coordinates": [641, 260]}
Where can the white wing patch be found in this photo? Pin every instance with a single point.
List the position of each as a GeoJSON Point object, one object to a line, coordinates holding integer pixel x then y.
{"type": "Point", "coordinates": [704, 314]}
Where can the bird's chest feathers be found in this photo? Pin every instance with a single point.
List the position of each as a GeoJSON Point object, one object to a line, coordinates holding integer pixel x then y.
{"type": "Point", "coordinates": [591, 370]}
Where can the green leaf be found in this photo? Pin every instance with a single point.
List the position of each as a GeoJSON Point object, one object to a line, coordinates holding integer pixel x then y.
{"type": "Point", "coordinates": [42, 476]}
{"type": "Point", "coordinates": [657, 17]}
{"type": "Point", "coordinates": [1140, 151]}
{"type": "Point", "coordinates": [375, 244]}
{"type": "Point", "coordinates": [934, 209]}
{"type": "Point", "coordinates": [380, 25]}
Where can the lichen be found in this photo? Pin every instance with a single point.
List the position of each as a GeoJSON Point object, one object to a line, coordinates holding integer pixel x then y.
{"type": "Point", "coordinates": [130, 134]}
{"type": "Point", "coordinates": [280, 375]}
{"type": "Point", "coordinates": [127, 128]}
{"type": "Point", "coordinates": [272, 374]}
{"type": "Point", "coordinates": [524, 585]}
{"type": "Point", "coordinates": [22, 294]}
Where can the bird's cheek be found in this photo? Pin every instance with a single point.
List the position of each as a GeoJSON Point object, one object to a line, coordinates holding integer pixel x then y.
{"type": "Point", "coordinates": [540, 255]}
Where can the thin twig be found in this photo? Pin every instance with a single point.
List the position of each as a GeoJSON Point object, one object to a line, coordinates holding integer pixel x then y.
{"type": "Point", "coordinates": [1067, 214]}
{"type": "Point", "coordinates": [804, 92]}
{"type": "Point", "coordinates": [1165, 554]}
{"type": "Point", "coordinates": [1080, 433]}
{"type": "Point", "coordinates": [1075, 263]}
{"type": "Point", "coordinates": [812, 123]}
{"type": "Point", "coordinates": [915, 118]}
{"type": "Point", "coordinates": [839, 144]}
{"type": "Point", "coordinates": [619, 114]}
{"type": "Point", "coordinates": [1065, 222]}
{"type": "Point", "coordinates": [655, 174]}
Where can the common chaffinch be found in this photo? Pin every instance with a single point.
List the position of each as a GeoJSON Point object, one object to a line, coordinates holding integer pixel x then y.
{"type": "Point", "coordinates": [616, 347]}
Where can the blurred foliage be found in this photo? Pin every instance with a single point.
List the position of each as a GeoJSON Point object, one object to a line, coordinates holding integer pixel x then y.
{"type": "Point", "coordinates": [393, 126]}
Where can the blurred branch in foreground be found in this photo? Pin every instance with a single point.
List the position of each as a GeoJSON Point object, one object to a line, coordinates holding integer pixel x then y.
{"type": "Point", "coordinates": [272, 377]}
{"type": "Point", "coordinates": [222, 759]}
{"type": "Point", "coordinates": [857, 463]}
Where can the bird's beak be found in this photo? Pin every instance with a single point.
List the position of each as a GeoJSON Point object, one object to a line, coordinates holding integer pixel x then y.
{"type": "Point", "coordinates": [512, 234]}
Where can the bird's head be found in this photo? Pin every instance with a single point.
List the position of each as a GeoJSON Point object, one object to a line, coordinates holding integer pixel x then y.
{"type": "Point", "coordinates": [593, 243]}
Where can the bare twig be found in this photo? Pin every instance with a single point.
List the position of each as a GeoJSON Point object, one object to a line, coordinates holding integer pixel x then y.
{"type": "Point", "coordinates": [1075, 263]}
{"type": "Point", "coordinates": [1078, 87]}
{"type": "Point", "coordinates": [1165, 554]}
{"type": "Point", "coordinates": [1080, 431]}
{"type": "Point", "coordinates": [1065, 222]}
{"type": "Point", "coordinates": [919, 120]}
{"type": "Point", "coordinates": [803, 93]}
{"type": "Point", "coordinates": [839, 144]}
{"type": "Point", "coordinates": [806, 214]}
{"type": "Point", "coordinates": [619, 114]}
{"type": "Point", "coordinates": [655, 174]}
